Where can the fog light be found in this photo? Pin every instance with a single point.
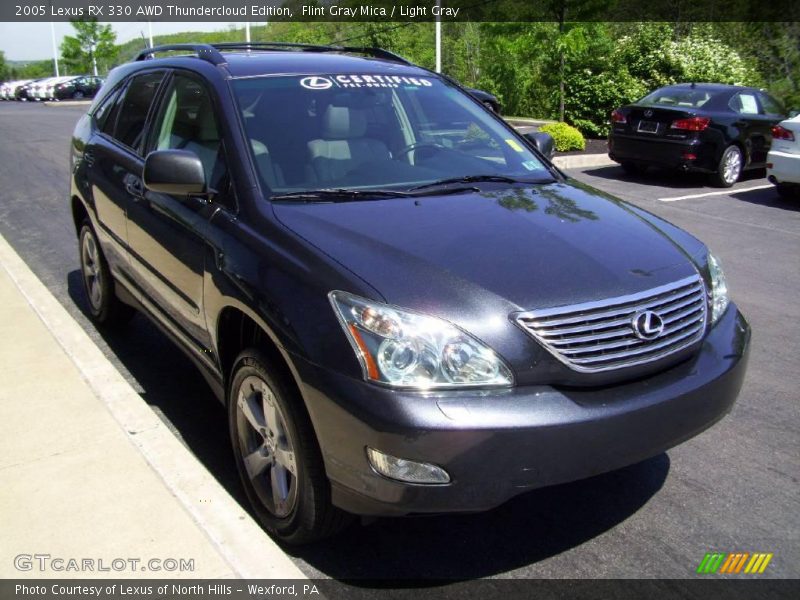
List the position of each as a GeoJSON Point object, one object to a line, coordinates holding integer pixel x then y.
{"type": "Point", "coordinates": [402, 469]}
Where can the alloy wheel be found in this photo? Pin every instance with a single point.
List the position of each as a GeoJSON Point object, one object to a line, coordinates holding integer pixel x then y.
{"type": "Point", "coordinates": [732, 165]}
{"type": "Point", "coordinates": [266, 446]}
{"type": "Point", "coordinates": [92, 271]}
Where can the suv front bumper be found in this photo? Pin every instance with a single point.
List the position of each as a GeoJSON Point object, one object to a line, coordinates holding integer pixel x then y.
{"type": "Point", "coordinates": [500, 443]}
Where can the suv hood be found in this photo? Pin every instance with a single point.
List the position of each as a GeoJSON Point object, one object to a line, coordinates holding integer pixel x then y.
{"type": "Point", "coordinates": [476, 258]}
{"type": "Point", "coordinates": [533, 247]}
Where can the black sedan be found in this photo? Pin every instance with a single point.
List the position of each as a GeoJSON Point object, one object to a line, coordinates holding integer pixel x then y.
{"type": "Point", "coordinates": [490, 101]}
{"type": "Point", "coordinates": [78, 88]}
{"type": "Point", "coordinates": [706, 127]}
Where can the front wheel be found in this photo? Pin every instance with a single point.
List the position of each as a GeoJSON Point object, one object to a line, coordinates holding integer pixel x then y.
{"type": "Point", "coordinates": [277, 455]}
{"type": "Point", "coordinates": [104, 306]}
{"type": "Point", "coordinates": [730, 167]}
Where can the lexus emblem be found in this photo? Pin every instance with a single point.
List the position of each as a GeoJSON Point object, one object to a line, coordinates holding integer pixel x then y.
{"type": "Point", "coordinates": [648, 113]}
{"type": "Point", "coordinates": [316, 83]}
{"type": "Point", "coordinates": [647, 325]}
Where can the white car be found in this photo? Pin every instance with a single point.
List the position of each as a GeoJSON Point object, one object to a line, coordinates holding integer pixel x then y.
{"type": "Point", "coordinates": [783, 160]}
{"type": "Point", "coordinates": [10, 89]}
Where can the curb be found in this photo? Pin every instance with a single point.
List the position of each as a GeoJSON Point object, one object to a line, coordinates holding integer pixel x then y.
{"type": "Point", "coordinates": [583, 160]}
{"type": "Point", "coordinates": [231, 530]}
{"type": "Point", "coordinates": [526, 121]}
{"type": "Point", "coordinates": [68, 103]}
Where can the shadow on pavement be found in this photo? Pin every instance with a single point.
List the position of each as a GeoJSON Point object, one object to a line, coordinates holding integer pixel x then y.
{"type": "Point", "coordinates": [528, 529]}
{"type": "Point", "coordinates": [525, 530]}
{"type": "Point", "coordinates": [172, 386]}
{"type": "Point", "coordinates": [768, 198]}
{"type": "Point", "coordinates": [669, 179]}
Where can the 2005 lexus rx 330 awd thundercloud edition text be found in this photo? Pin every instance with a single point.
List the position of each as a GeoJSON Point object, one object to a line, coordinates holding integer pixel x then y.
{"type": "Point", "coordinates": [405, 307]}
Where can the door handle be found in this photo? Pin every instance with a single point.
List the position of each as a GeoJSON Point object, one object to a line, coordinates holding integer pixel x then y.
{"type": "Point", "coordinates": [135, 188]}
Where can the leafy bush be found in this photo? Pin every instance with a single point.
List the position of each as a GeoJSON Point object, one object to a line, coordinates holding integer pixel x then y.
{"type": "Point", "coordinates": [593, 93]}
{"type": "Point", "coordinates": [566, 137]}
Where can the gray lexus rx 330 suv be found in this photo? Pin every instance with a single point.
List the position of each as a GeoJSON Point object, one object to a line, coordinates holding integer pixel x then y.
{"type": "Point", "coordinates": [404, 305]}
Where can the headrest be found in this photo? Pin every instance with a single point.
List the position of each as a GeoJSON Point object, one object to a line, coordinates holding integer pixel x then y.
{"type": "Point", "coordinates": [341, 123]}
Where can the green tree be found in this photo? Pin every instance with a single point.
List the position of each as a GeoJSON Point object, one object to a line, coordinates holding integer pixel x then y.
{"type": "Point", "coordinates": [92, 47]}
{"type": "Point", "coordinates": [4, 69]}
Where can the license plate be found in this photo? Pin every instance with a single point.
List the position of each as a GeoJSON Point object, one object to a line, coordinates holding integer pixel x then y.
{"type": "Point", "coordinates": [647, 127]}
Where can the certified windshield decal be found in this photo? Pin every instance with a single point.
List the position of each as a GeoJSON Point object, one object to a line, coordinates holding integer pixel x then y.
{"type": "Point", "coordinates": [362, 80]}
{"type": "Point", "coordinates": [316, 83]}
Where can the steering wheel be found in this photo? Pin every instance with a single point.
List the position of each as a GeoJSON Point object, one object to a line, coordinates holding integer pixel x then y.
{"type": "Point", "coordinates": [416, 146]}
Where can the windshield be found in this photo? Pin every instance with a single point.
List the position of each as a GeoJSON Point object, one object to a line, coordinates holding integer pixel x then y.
{"type": "Point", "coordinates": [362, 131]}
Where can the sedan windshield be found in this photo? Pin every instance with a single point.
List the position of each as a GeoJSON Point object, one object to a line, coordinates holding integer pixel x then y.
{"type": "Point", "coordinates": [374, 132]}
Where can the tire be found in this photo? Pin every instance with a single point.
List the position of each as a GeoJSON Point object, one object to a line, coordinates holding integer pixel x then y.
{"type": "Point", "coordinates": [284, 479]}
{"type": "Point", "coordinates": [78, 95]}
{"type": "Point", "coordinates": [631, 168]}
{"type": "Point", "coordinates": [105, 309]}
{"type": "Point", "coordinates": [729, 168]}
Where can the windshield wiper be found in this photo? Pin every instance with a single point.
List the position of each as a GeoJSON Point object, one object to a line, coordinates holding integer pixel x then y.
{"type": "Point", "coordinates": [474, 179]}
{"type": "Point", "coordinates": [345, 195]}
{"type": "Point", "coordinates": [341, 194]}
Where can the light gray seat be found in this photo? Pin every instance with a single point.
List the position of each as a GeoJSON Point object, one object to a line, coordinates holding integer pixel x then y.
{"type": "Point", "coordinates": [343, 146]}
{"type": "Point", "coordinates": [272, 173]}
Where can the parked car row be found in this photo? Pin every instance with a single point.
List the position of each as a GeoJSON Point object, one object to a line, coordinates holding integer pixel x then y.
{"type": "Point", "coordinates": [69, 87]}
{"type": "Point", "coordinates": [722, 130]}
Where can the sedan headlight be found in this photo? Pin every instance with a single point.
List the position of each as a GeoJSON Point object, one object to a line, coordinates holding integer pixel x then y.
{"type": "Point", "coordinates": [401, 348]}
{"type": "Point", "coordinates": [719, 289]}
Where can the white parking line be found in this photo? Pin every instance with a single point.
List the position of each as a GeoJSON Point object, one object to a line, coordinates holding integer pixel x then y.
{"type": "Point", "coordinates": [723, 193]}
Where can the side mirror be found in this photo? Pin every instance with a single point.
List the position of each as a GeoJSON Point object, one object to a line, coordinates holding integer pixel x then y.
{"type": "Point", "coordinates": [175, 172]}
{"type": "Point", "coordinates": [544, 143]}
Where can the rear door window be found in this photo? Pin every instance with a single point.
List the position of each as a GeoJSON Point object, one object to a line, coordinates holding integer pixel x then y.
{"type": "Point", "coordinates": [105, 115]}
{"type": "Point", "coordinates": [134, 108]}
{"type": "Point", "coordinates": [744, 103]}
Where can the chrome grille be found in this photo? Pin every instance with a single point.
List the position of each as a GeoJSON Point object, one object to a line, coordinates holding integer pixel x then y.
{"type": "Point", "coordinates": [600, 336]}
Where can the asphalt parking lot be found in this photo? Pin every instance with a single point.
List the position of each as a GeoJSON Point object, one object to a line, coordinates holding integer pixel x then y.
{"type": "Point", "coordinates": [733, 488]}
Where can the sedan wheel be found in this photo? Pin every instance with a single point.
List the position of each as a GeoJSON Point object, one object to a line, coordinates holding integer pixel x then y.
{"type": "Point", "coordinates": [730, 167]}
{"type": "Point", "coordinates": [77, 95]}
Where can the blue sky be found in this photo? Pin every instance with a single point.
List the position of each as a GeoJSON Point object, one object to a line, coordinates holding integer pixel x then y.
{"type": "Point", "coordinates": [31, 41]}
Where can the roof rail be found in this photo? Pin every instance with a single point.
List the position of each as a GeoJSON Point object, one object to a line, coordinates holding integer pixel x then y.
{"type": "Point", "coordinates": [212, 52]}
{"type": "Point", "coordinates": [205, 51]}
{"type": "Point", "coordinates": [374, 52]}
{"type": "Point", "coordinates": [270, 46]}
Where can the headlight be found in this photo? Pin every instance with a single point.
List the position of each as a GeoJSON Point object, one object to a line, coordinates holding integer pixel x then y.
{"type": "Point", "coordinates": [719, 289]}
{"type": "Point", "coordinates": [406, 349]}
